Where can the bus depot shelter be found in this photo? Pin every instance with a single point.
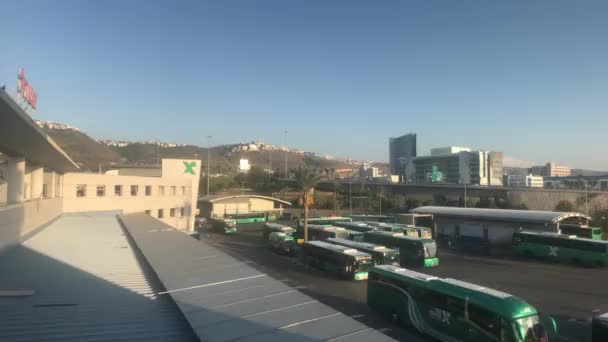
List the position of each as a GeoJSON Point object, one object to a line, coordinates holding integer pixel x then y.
{"type": "Point", "coordinates": [495, 226]}
{"type": "Point", "coordinates": [220, 205]}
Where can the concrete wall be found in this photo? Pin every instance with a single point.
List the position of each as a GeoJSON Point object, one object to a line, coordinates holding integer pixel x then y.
{"type": "Point", "coordinates": [18, 220]}
{"type": "Point", "coordinates": [128, 203]}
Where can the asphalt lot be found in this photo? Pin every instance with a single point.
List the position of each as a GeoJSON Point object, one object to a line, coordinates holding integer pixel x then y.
{"type": "Point", "coordinates": [567, 293]}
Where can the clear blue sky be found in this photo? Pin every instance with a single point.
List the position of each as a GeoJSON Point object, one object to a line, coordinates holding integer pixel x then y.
{"type": "Point", "coordinates": [529, 78]}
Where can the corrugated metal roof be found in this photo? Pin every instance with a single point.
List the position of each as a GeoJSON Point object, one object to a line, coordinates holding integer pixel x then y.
{"type": "Point", "coordinates": [224, 298]}
{"type": "Point", "coordinates": [509, 215]}
{"type": "Point", "coordinates": [89, 286]}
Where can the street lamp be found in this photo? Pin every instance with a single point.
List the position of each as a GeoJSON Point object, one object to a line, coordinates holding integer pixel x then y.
{"type": "Point", "coordinates": [285, 145]}
{"type": "Point", "coordinates": [208, 160]}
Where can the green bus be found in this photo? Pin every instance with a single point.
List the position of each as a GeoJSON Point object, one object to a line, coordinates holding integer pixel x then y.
{"type": "Point", "coordinates": [561, 248]}
{"type": "Point", "coordinates": [586, 232]}
{"type": "Point", "coordinates": [387, 227]}
{"type": "Point", "coordinates": [407, 229]}
{"type": "Point", "coordinates": [451, 310]}
{"type": "Point", "coordinates": [223, 225]}
{"type": "Point", "coordinates": [356, 226]}
{"type": "Point", "coordinates": [324, 221]}
{"type": "Point", "coordinates": [317, 232]}
{"type": "Point", "coordinates": [343, 261]}
{"type": "Point", "coordinates": [354, 235]}
{"type": "Point", "coordinates": [283, 243]}
{"type": "Point", "coordinates": [380, 254]}
{"type": "Point", "coordinates": [413, 251]}
{"type": "Point", "coordinates": [275, 227]}
{"type": "Point", "coordinates": [374, 218]}
{"type": "Point", "coordinates": [250, 217]}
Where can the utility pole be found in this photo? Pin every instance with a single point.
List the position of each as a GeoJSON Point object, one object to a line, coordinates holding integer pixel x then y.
{"type": "Point", "coordinates": [465, 194]}
{"type": "Point", "coordinates": [350, 195]}
{"type": "Point", "coordinates": [285, 141]}
{"type": "Point", "coordinates": [208, 160]}
{"type": "Point", "coordinates": [586, 202]}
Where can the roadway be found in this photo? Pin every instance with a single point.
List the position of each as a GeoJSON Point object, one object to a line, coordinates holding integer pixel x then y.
{"type": "Point", "coordinates": [569, 294]}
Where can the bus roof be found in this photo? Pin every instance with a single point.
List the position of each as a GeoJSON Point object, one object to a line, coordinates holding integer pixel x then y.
{"type": "Point", "coordinates": [562, 236]}
{"type": "Point", "coordinates": [364, 245]}
{"type": "Point", "coordinates": [338, 248]}
{"type": "Point", "coordinates": [276, 225]}
{"type": "Point", "coordinates": [492, 300]}
{"type": "Point", "coordinates": [400, 235]}
{"type": "Point", "coordinates": [326, 228]}
{"type": "Point", "coordinates": [328, 218]}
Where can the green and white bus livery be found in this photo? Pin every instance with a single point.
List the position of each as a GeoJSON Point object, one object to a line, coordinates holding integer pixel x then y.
{"type": "Point", "coordinates": [451, 310]}
{"type": "Point", "coordinates": [317, 232]}
{"type": "Point", "coordinates": [561, 248]}
{"type": "Point", "coordinates": [275, 227]}
{"type": "Point", "coordinates": [413, 251]}
{"type": "Point", "coordinates": [282, 243]}
{"type": "Point", "coordinates": [343, 261]}
{"type": "Point", "coordinates": [380, 254]}
{"type": "Point", "coordinates": [223, 225]}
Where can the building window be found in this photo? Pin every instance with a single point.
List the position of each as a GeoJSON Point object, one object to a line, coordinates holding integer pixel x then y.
{"type": "Point", "coordinates": [81, 190]}
{"type": "Point", "coordinates": [117, 190]}
{"type": "Point", "coordinates": [161, 190]}
{"type": "Point", "coordinates": [134, 189]}
{"type": "Point", "coordinates": [45, 190]}
{"type": "Point", "coordinates": [101, 190]}
{"type": "Point", "coordinates": [183, 190]}
{"type": "Point", "coordinates": [148, 190]}
{"type": "Point", "coordinates": [604, 185]}
{"type": "Point", "coordinates": [182, 211]}
{"type": "Point", "coordinates": [172, 212]}
{"type": "Point", "coordinates": [148, 212]}
{"type": "Point", "coordinates": [161, 213]}
{"type": "Point", "coordinates": [173, 190]}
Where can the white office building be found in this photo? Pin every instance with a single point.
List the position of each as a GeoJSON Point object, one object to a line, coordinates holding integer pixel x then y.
{"type": "Point", "coordinates": [524, 181]}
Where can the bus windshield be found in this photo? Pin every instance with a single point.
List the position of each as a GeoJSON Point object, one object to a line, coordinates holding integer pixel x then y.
{"type": "Point", "coordinates": [364, 265]}
{"type": "Point", "coordinates": [525, 324]}
{"type": "Point", "coordinates": [430, 250]}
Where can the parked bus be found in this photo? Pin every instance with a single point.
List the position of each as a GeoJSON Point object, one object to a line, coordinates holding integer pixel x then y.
{"type": "Point", "coordinates": [586, 232]}
{"type": "Point", "coordinates": [453, 310]}
{"type": "Point", "coordinates": [380, 254]}
{"type": "Point", "coordinates": [273, 215]}
{"type": "Point", "coordinates": [387, 227]}
{"type": "Point", "coordinates": [561, 248]}
{"type": "Point", "coordinates": [223, 225]}
{"type": "Point", "coordinates": [374, 218]}
{"type": "Point", "coordinates": [324, 221]}
{"type": "Point", "coordinates": [317, 232]}
{"type": "Point", "coordinates": [413, 251]}
{"type": "Point", "coordinates": [354, 235]}
{"type": "Point", "coordinates": [343, 261]}
{"type": "Point", "coordinates": [275, 227]}
{"type": "Point", "coordinates": [250, 217]}
{"type": "Point", "coordinates": [356, 226]}
{"type": "Point", "coordinates": [283, 243]}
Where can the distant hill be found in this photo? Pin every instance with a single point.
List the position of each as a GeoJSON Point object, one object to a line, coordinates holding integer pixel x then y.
{"type": "Point", "coordinates": [91, 153]}
{"type": "Point", "coordinates": [87, 152]}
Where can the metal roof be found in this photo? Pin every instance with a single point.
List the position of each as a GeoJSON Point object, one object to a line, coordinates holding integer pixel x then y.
{"type": "Point", "coordinates": [20, 136]}
{"type": "Point", "coordinates": [225, 298]}
{"type": "Point", "coordinates": [89, 285]}
{"type": "Point", "coordinates": [215, 198]}
{"type": "Point", "coordinates": [506, 215]}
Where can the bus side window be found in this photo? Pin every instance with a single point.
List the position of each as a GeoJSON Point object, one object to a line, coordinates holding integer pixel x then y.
{"type": "Point", "coordinates": [484, 319]}
{"type": "Point", "coordinates": [455, 306]}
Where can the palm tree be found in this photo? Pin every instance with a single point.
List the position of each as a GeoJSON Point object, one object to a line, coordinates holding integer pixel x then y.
{"type": "Point", "coordinates": [305, 182]}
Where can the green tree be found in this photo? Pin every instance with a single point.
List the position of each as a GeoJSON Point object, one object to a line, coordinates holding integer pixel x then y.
{"type": "Point", "coordinates": [564, 206]}
{"type": "Point", "coordinates": [305, 182]}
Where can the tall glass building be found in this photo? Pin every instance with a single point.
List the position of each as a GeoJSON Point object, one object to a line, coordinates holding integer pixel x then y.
{"type": "Point", "coordinates": [401, 147]}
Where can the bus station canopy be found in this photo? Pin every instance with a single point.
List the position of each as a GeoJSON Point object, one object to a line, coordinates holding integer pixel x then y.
{"type": "Point", "coordinates": [20, 136]}
{"type": "Point", "coordinates": [503, 215]}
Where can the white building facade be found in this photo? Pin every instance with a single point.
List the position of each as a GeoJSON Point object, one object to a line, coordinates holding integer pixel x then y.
{"type": "Point", "coordinates": [524, 181]}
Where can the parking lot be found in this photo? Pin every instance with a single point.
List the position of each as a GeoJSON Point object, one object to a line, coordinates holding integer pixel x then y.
{"type": "Point", "coordinates": [570, 294]}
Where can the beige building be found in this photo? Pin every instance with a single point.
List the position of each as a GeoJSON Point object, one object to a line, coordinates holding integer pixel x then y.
{"type": "Point", "coordinates": [551, 170]}
{"type": "Point", "coordinates": [169, 197]}
{"type": "Point", "coordinates": [220, 205]}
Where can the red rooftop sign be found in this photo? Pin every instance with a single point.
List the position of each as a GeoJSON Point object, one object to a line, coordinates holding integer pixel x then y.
{"type": "Point", "coordinates": [25, 89]}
